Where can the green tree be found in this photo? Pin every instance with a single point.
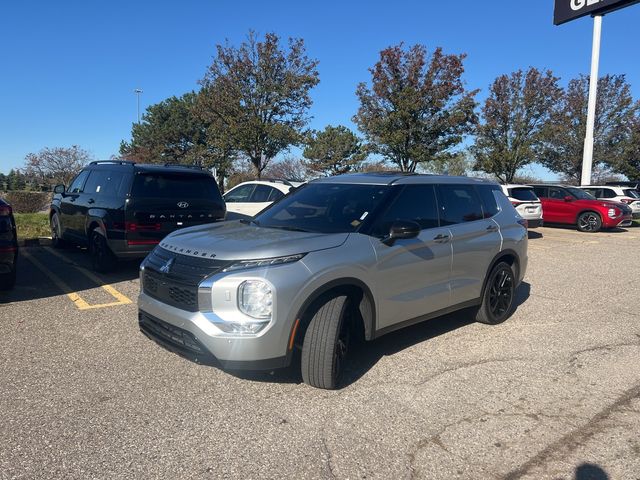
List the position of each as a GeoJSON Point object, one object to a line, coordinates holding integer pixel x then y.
{"type": "Point", "coordinates": [56, 165]}
{"type": "Point", "coordinates": [417, 109]}
{"type": "Point", "coordinates": [333, 151]}
{"type": "Point", "coordinates": [628, 163]}
{"type": "Point", "coordinates": [172, 131]}
{"type": "Point", "coordinates": [615, 112]}
{"type": "Point", "coordinates": [259, 95]}
{"type": "Point", "coordinates": [516, 116]}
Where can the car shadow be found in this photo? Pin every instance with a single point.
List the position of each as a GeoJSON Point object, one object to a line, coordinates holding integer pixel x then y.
{"type": "Point", "coordinates": [365, 355]}
{"type": "Point", "coordinates": [535, 235]}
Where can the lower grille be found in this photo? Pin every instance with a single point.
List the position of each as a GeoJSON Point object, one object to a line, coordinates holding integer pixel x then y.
{"type": "Point", "coordinates": [176, 294]}
{"type": "Point", "coordinates": [173, 338]}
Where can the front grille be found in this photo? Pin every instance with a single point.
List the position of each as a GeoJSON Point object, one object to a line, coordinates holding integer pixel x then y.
{"type": "Point", "coordinates": [173, 338]}
{"type": "Point", "coordinates": [179, 286]}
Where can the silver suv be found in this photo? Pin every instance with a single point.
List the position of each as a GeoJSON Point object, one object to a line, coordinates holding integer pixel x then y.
{"type": "Point", "coordinates": [361, 254]}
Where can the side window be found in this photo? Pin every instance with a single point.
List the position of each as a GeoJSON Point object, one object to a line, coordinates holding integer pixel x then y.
{"type": "Point", "coordinates": [608, 193]}
{"type": "Point", "coordinates": [416, 203]}
{"type": "Point", "coordinates": [78, 182]}
{"type": "Point", "coordinates": [260, 194]}
{"type": "Point", "coordinates": [275, 195]}
{"type": "Point", "coordinates": [489, 203]}
{"type": "Point", "coordinates": [541, 192]}
{"type": "Point", "coordinates": [459, 204]}
{"type": "Point", "coordinates": [557, 193]}
{"type": "Point", "coordinates": [240, 194]}
{"type": "Point", "coordinates": [105, 183]}
{"type": "Point", "coordinates": [95, 182]}
{"type": "Point", "coordinates": [593, 191]}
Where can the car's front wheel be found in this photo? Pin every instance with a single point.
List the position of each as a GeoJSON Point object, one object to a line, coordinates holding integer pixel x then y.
{"type": "Point", "coordinates": [589, 222]}
{"type": "Point", "coordinates": [499, 294]}
{"type": "Point", "coordinates": [326, 344]}
{"type": "Point", "coordinates": [102, 259]}
{"type": "Point", "coordinates": [56, 231]}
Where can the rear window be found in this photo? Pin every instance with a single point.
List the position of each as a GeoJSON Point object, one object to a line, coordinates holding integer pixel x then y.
{"type": "Point", "coordinates": [523, 194]}
{"type": "Point", "coordinates": [167, 185]}
{"type": "Point", "coordinates": [631, 193]}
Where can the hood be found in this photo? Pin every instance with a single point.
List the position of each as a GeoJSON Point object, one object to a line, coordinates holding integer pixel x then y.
{"type": "Point", "coordinates": [238, 241]}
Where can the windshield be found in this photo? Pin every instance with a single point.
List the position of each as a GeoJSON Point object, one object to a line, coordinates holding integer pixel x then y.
{"type": "Point", "coordinates": [523, 193]}
{"type": "Point", "coordinates": [323, 208]}
{"type": "Point", "coordinates": [580, 194]}
{"type": "Point", "coordinates": [631, 193]}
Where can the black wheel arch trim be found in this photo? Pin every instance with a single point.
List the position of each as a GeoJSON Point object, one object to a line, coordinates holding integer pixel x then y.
{"type": "Point", "coordinates": [503, 253]}
{"type": "Point", "coordinates": [367, 306]}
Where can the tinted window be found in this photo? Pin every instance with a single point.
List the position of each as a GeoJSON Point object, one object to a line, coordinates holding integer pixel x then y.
{"type": "Point", "coordinates": [105, 182]}
{"type": "Point", "coordinates": [275, 195]}
{"type": "Point", "coordinates": [541, 192]}
{"type": "Point", "coordinates": [608, 193]}
{"type": "Point", "coordinates": [324, 208]}
{"type": "Point", "coordinates": [593, 191]}
{"type": "Point", "coordinates": [78, 182]}
{"type": "Point", "coordinates": [175, 186]}
{"type": "Point", "coordinates": [261, 193]}
{"type": "Point", "coordinates": [416, 203]}
{"type": "Point", "coordinates": [631, 193]}
{"type": "Point", "coordinates": [580, 194]}
{"type": "Point", "coordinates": [523, 194]}
{"type": "Point", "coordinates": [488, 198]}
{"type": "Point", "coordinates": [459, 204]}
{"type": "Point", "coordinates": [557, 193]}
{"type": "Point", "coordinates": [239, 194]}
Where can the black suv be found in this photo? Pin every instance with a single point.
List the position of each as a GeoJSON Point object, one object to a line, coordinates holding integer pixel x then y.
{"type": "Point", "coordinates": [121, 209]}
{"type": "Point", "coordinates": [8, 246]}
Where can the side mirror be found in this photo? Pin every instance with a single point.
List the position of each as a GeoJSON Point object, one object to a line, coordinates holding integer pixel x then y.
{"type": "Point", "coordinates": [402, 229]}
{"type": "Point", "coordinates": [59, 189]}
{"type": "Point", "coordinates": [568, 198]}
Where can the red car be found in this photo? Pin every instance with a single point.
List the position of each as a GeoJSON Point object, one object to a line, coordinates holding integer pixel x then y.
{"type": "Point", "coordinates": [573, 206]}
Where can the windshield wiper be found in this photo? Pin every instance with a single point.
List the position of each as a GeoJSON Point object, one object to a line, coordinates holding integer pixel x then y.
{"type": "Point", "coordinates": [288, 228]}
{"type": "Point", "coordinates": [248, 221]}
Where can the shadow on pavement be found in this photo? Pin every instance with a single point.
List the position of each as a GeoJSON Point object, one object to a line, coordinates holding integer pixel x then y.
{"type": "Point", "coordinates": [364, 355]}
{"type": "Point", "coordinates": [589, 471]}
{"type": "Point", "coordinates": [535, 235]}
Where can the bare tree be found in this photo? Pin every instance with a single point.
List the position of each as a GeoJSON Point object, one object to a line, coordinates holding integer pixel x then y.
{"type": "Point", "coordinates": [57, 165]}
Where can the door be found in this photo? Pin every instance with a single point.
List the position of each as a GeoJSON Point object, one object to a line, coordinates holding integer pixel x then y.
{"type": "Point", "coordinates": [559, 209]}
{"type": "Point", "coordinates": [467, 210]}
{"type": "Point", "coordinates": [70, 211]}
{"type": "Point", "coordinates": [412, 275]}
{"type": "Point", "coordinates": [261, 198]}
{"type": "Point", "coordinates": [238, 199]}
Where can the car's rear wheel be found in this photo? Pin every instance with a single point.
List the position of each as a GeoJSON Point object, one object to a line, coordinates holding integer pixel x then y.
{"type": "Point", "coordinates": [102, 259]}
{"type": "Point", "coordinates": [56, 231]}
{"type": "Point", "coordinates": [326, 344]}
{"type": "Point", "coordinates": [589, 222]}
{"type": "Point", "coordinates": [499, 294]}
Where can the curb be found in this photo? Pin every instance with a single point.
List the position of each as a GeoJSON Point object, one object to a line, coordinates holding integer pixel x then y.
{"type": "Point", "coordinates": [35, 242]}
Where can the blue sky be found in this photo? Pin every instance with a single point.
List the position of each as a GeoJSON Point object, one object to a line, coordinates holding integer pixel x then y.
{"type": "Point", "coordinates": [68, 69]}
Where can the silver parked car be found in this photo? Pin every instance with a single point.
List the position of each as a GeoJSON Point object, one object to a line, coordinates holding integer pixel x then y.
{"type": "Point", "coordinates": [353, 254]}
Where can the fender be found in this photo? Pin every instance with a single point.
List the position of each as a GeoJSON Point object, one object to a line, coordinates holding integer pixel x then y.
{"type": "Point", "coordinates": [95, 222]}
{"type": "Point", "coordinates": [367, 306]}
{"type": "Point", "coordinates": [494, 262]}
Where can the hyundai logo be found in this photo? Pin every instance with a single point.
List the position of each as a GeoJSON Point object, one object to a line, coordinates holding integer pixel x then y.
{"type": "Point", "coordinates": [183, 204]}
{"type": "Point", "coordinates": [166, 268]}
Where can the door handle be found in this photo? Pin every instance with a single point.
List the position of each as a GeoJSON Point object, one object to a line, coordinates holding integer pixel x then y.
{"type": "Point", "coordinates": [441, 238]}
{"type": "Point", "coordinates": [492, 228]}
{"type": "Point", "coordinates": [91, 200]}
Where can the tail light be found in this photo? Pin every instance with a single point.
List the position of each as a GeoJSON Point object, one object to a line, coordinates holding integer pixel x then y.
{"type": "Point", "coordinates": [515, 203]}
{"type": "Point", "coordinates": [5, 211]}
{"type": "Point", "coordinates": [627, 200]}
{"type": "Point", "coordinates": [137, 227]}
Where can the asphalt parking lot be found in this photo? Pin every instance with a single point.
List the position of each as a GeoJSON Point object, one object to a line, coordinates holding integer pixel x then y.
{"type": "Point", "coordinates": [553, 393]}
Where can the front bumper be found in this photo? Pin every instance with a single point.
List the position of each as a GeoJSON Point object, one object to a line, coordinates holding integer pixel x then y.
{"type": "Point", "coordinates": [194, 336]}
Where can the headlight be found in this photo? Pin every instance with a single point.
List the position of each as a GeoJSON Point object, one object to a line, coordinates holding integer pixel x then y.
{"type": "Point", "coordinates": [255, 299]}
{"type": "Point", "coordinates": [613, 212]}
{"type": "Point", "coordinates": [266, 262]}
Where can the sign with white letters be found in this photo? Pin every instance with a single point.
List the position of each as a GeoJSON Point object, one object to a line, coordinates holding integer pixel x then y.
{"type": "Point", "coordinates": [567, 10]}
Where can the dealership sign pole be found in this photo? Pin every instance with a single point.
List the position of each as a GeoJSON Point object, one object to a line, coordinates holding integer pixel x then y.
{"type": "Point", "coordinates": [565, 11]}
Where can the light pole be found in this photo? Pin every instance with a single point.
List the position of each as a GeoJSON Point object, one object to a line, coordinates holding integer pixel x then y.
{"type": "Point", "coordinates": [138, 91]}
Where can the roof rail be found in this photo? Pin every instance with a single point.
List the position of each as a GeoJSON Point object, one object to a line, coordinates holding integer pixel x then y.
{"type": "Point", "coordinates": [115, 162]}
{"type": "Point", "coordinates": [275, 180]}
{"type": "Point", "coordinates": [193, 167]}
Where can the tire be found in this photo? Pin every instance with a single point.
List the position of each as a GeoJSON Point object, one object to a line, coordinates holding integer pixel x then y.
{"type": "Point", "coordinates": [56, 231]}
{"type": "Point", "coordinates": [326, 344]}
{"type": "Point", "coordinates": [589, 222]}
{"type": "Point", "coordinates": [498, 295]}
{"type": "Point", "coordinates": [8, 280]}
{"type": "Point", "coordinates": [102, 259]}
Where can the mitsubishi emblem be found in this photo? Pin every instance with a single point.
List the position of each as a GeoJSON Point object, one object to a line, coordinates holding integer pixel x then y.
{"type": "Point", "coordinates": [166, 268]}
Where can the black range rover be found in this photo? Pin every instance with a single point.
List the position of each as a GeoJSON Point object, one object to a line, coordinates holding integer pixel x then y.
{"type": "Point", "coordinates": [121, 209]}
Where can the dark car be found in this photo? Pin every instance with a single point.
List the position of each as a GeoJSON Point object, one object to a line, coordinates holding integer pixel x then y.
{"type": "Point", "coordinates": [8, 246]}
{"type": "Point", "coordinates": [122, 210]}
{"type": "Point", "coordinates": [564, 204]}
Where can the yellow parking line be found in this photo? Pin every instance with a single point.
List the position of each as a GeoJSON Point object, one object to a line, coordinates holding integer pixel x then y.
{"type": "Point", "coordinates": [77, 300]}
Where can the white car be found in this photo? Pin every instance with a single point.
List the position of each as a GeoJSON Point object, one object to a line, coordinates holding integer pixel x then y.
{"type": "Point", "coordinates": [250, 198]}
{"type": "Point", "coordinates": [526, 202]}
{"type": "Point", "coordinates": [622, 194]}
